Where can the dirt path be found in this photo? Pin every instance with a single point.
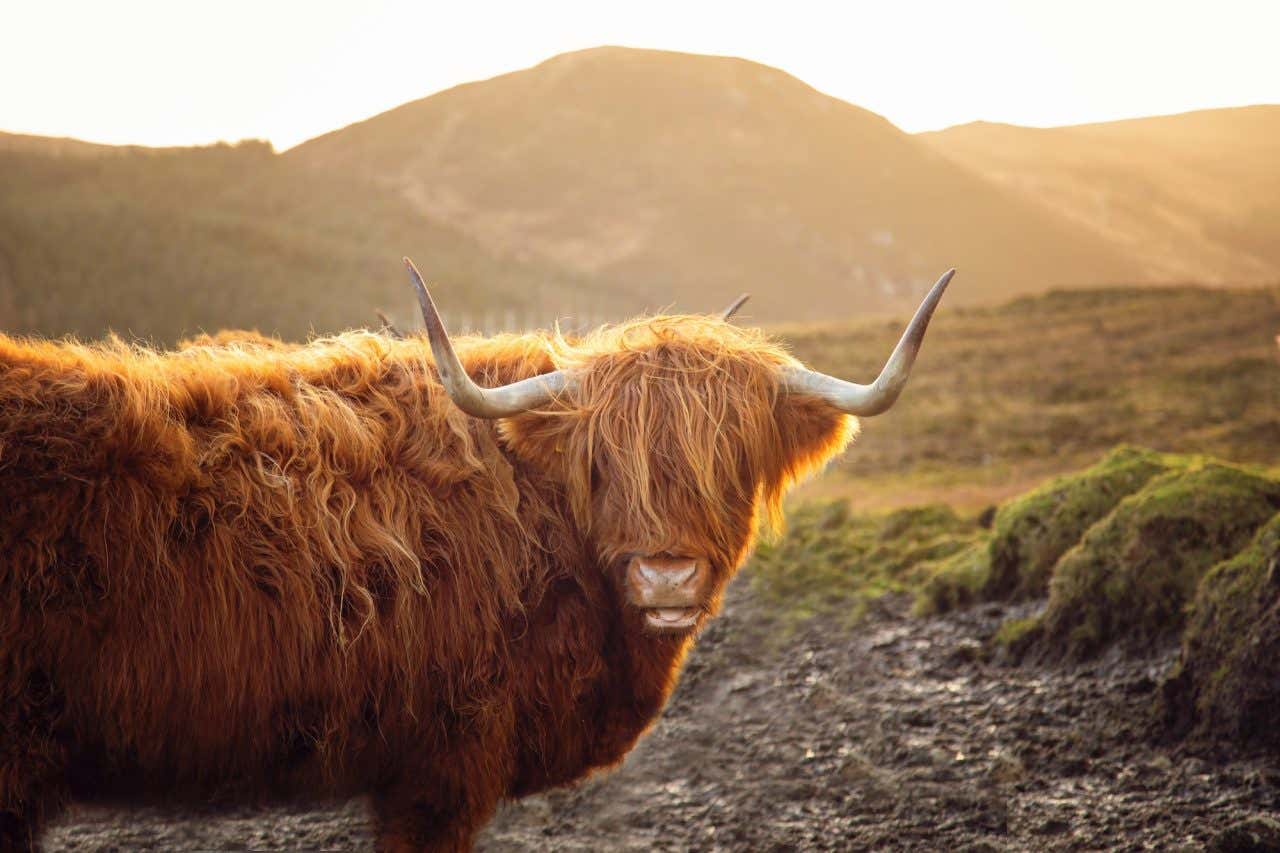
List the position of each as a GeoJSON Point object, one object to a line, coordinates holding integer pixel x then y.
{"type": "Point", "coordinates": [895, 736]}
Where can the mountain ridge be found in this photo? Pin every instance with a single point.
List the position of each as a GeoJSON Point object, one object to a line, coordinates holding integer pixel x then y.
{"type": "Point", "coordinates": [1194, 196]}
{"type": "Point", "coordinates": [598, 183]}
{"type": "Point", "coordinates": [669, 171]}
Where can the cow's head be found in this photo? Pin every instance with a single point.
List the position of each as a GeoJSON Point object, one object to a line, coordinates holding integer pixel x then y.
{"type": "Point", "coordinates": [674, 437]}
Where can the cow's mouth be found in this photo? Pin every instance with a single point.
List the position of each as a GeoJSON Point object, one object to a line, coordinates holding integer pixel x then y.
{"type": "Point", "coordinates": [671, 619]}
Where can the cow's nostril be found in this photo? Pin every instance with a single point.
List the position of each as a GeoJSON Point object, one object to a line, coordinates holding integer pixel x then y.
{"type": "Point", "coordinates": [679, 576]}
{"type": "Point", "coordinates": [655, 576]}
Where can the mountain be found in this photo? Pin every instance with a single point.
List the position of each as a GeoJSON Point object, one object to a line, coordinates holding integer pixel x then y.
{"type": "Point", "coordinates": [1193, 197]}
{"type": "Point", "coordinates": [689, 178]}
{"type": "Point", "coordinates": [608, 181]}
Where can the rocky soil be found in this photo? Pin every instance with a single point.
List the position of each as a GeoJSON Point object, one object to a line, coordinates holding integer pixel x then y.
{"type": "Point", "coordinates": [899, 735]}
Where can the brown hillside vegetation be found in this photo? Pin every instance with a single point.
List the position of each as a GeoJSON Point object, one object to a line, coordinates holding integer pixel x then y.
{"type": "Point", "coordinates": [1003, 395]}
{"type": "Point", "coordinates": [675, 173]}
{"type": "Point", "coordinates": [1194, 197]}
{"type": "Point", "coordinates": [163, 243]}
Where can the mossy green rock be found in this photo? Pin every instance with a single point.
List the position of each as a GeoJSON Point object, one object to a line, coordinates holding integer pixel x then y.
{"type": "Point", "coordinates": [1134, 572]}
{"type": "Point", "coordinates": [1032, 532]}
{"type": "Point", "coordinates": [1227, 683]}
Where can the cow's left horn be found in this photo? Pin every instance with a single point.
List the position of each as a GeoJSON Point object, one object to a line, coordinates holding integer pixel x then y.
{"type": "Point", "coordinates": [873, 399]}
{"type": "Point", "coordinates": [734, 306]}
{"type": "Point", "coordinates": [500, 402]}
{"type": "Point", "coordinates": [388, 326]}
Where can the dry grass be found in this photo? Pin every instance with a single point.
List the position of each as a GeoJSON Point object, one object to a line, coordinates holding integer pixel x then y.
{"type": "Point", "coordinates": [1004, 397]}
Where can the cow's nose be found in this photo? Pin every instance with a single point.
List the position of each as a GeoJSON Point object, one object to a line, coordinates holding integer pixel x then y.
{"type": "Point", "coordinates": [666, 581]}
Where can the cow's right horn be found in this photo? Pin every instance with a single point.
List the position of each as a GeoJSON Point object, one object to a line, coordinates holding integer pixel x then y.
{"type": "Point", "coordinates": [873, 399]}
{"type": "Point", "coordinates": [480, 402]}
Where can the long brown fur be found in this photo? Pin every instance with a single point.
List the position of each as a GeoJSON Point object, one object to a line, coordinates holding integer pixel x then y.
{"type": "Point", "coordinates": [244, 571]}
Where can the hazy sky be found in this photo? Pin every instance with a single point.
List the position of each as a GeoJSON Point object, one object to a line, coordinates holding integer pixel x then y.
{"type": "Point", "coordinates": [168, 72]}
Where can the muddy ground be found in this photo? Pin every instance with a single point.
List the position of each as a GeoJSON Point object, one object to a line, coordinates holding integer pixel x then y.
{"type": "Point", "coordinates": [895, 736]}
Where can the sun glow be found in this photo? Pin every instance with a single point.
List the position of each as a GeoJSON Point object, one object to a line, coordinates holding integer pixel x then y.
{"type": "Point", "coordinates": [163, 73]}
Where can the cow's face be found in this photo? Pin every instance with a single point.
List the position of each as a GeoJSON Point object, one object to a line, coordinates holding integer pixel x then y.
{"type": "Point", "coordinates": [674, 443]}
{"type": "Point", "coordinates": [672, 436]}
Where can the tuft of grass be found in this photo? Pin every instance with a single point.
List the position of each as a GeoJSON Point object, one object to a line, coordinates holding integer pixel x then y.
{"type": "Point", "coordinates": [1134, 551]}
{"type": "Point", "coordinates": [1015, 636]}
{"type": "Point", "coordinates": [835, 562]}
{"type": "Point", "coordinates": [956, 581]}
{"type": "Point", "coordinates": [1132, 574]}
{"type": "Point", "coordinates": [1227, 682]}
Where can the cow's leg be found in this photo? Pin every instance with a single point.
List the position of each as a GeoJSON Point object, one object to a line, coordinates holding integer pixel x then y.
{"type": "Point", "coordinates": [441, 821]}
{"type": "Point", "coordinates": [33, 764]}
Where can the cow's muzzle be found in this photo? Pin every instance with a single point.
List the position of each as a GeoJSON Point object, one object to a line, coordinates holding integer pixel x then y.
{"type": "Point", "coordinates": [670, 591]}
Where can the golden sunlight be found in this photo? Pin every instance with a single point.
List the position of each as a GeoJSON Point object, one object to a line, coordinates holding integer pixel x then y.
{"type": "Point", "coordinates": [161, 73]}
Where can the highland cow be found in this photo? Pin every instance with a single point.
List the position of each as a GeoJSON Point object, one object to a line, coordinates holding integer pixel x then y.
{"type": "Point", "coordinates": [249, 572]}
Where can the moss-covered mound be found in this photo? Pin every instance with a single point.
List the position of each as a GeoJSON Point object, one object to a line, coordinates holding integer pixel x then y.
{"type": "Point", "coordinates": [1227, 683]}
{"type": "Point", "coordinates": [1032, 532]}
{"type": "Point", "coordinates": [1134, 571]}
{"type": "Point", "coordinates": [834, 561]}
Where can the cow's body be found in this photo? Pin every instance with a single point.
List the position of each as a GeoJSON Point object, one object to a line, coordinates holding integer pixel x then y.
{"type": "Point", "coordinates": [238, 573]}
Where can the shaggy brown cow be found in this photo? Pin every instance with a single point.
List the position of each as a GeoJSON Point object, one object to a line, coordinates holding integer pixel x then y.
{"type": "Point", "coordinates": [239, 573]}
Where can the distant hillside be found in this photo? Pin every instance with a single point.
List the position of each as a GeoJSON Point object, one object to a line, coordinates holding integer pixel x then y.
{"type": "Point", "coordinates": [679, 174]}
{"type": "Point", "coordinates": [609, 181]}
{"type": "Point", "coordinates": [1194, 197]}
{"type": "Point", "coordinates": [159, 243]}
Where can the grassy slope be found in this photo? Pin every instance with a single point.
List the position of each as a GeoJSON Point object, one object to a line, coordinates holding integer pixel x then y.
{"type": "Point", "coordinates": [1002, 397]}
{"type": "Point", "coordinates": [1134, 550]}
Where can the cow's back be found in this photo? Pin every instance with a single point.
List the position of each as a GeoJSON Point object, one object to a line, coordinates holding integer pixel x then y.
{"type": "Point", "coordinates": [251, 571]}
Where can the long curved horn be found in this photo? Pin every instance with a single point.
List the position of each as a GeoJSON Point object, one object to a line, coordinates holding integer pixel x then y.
{"type": "Point", "coordinates": [480, 402]}
{"type": "Point", "coordinates": [873, 399]}
{"type": "Point", "coordinates": [734, 306]}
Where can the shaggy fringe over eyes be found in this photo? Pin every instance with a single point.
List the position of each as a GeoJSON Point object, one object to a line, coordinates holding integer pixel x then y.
{"type": "Point", "coordinates": [677, 429]}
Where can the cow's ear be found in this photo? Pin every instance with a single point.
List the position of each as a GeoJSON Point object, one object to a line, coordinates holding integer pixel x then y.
{"type": "Point", "coordinates": [810, 433]}
{"type": "Point", "coordinates": [540, 439]}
